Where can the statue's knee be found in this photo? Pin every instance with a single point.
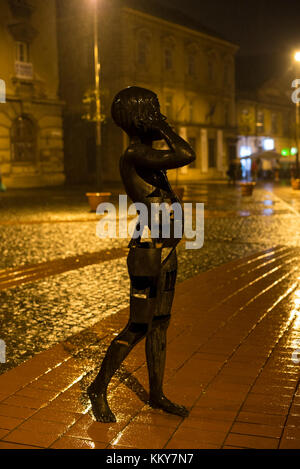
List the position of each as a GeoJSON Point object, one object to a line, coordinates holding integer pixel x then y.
{"type": "Point", "coordinates": [142, 299]}
{"type": "Point", "coordinates": [132, 333]}
{"type": "Point", "coordinates": [162, 321]}
{"type": "Point", "coordinates": [122, 342]}
{"type": "Point", "coordinates": [143, 287]}
{"type": "Point", "coordinates": [138, 328]}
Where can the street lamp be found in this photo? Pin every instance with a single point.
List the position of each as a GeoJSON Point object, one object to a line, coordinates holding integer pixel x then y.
{"type": "Point", "coordinates": [97, 68]}
{"type": "Point", "coordinates": [297, 60]}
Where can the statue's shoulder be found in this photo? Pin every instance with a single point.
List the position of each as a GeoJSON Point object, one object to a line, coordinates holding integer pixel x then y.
{"type": "Point", "coordinates": [136, 150]}
{"type": "Point", "coordinates": [128, 156]}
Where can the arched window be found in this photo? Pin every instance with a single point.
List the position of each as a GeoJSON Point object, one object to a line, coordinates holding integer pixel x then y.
{"type": "Point", "coordinates": [24, 140]}
{"type": "Point", "coordinates": [260, 121]}
{"type": "Point", "coordinates": [141, 53]}
{"type": "Point", "coordinates": [226, 74]}
{"type": "Point", "coordinates": [191, 52]}
{"type": "Point", "coordinates": [274, 123]}
{"type": "Point", "coordinates": [191, 65]}
{"type": "Point", "coordinates": [168, 58]}
{"type": "Point", "coordinates": [227, 119]}
{"type": "Point", "coordinates": [143, 44]}
{"type": "Point", "coordinates": [168, 53]}
{"type": "Point", "coordinates": [228, 66]}
{"type": "Point", "coordinates": [211, 66]}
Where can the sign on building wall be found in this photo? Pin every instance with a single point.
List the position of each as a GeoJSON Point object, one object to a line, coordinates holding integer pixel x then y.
{"type": "Point", "coordinates": [2, 91]}
{"type": "Point", "coordinates": [24, 70]}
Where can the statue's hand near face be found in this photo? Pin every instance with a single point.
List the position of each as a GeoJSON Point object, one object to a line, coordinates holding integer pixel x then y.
{"type": "Point", "coordinates": [153, 122]}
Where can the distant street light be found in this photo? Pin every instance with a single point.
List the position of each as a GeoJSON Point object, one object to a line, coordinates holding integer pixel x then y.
{"type": "Point", "coordinates": [97, 67]}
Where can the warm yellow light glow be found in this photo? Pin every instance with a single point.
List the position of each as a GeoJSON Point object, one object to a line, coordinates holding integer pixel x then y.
{"type": "Point", "coordinates": [297, 298]}
{"type": "Point", "coordinates": [297, 56]}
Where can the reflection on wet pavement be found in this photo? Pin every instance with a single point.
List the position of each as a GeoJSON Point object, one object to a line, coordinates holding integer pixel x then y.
{"type": "Point", "coordinates": [231, 341]}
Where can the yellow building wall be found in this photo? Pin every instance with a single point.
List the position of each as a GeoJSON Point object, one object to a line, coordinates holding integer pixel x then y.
{"type": "Point", "coordinates": [197, 88]}
{"type": "Point", "coordinates": [35, 97]}
{"type": "Point", "coordinates": [283, 137]}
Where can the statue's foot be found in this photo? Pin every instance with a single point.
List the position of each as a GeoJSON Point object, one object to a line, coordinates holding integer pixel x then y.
{"type": "Point", "coordinates": [100, 407]}
{"type": "Point", "coordinates": [163, 403]}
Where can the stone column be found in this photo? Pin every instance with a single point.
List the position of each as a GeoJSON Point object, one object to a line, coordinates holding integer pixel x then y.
{"type": "Point", "coordinates": [204, 151]}
{"type": "Point", "coordinates": [220, 166]}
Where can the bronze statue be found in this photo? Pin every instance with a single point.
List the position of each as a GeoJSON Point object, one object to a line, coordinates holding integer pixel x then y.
{"type": "Point", "coordinates": [152, 265]}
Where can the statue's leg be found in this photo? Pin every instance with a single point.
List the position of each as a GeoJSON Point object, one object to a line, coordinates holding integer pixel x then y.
{"type": "Point", "coordinates": [156, 341]}
{"type": "Point", "coordinates": [116, 353]}
{"type": "Point", "coordinates": [142, 302]}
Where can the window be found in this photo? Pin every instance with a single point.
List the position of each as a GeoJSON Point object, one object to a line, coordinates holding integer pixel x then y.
{"type": "Point", "coordinates": [274, 123]}
{"type": "Point", "coordinates": [232, 150]}
{"type": "Point", "coordinates": [23, 139]}
{"type": "Point", "coordinates": [226, 74]}
{"type": "Point", "coordinates": [142, 52]}
{"type": "Point", "coordinates": [245, 150]}
{"type": "Point", "coordinates": [245, 121]}
{"type": "Point", "coordinates": [227, 114]}
{"type": "Point", "coordinates": [260, 121]}
{"type": "Point", "coordinates": [191, 65]}
{"type": "Point", "coordinates": [168, 58]}
{"type": "Point", "coordinates": [169, 107]}
{"type": "Point", "coordinates": [22, 51]}
{"type": "Point", "coordinates": [191, 110]}
{"type": "Point", "coordinates": [210, 69]}
{"type": "Point", "coordinates": [211, 111]}
{"type": "Point", "coordinates": [268, 144]}
{"type": "Point", "coordinates": [211, 153]}
{"type": "Point", "coordinates": [211, 61]}
{"type": "Point", "coordinates": [142, 48]}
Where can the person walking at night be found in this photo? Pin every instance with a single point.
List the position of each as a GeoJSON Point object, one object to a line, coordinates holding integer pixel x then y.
{"type": "Point", "coordinates": [231, 173]}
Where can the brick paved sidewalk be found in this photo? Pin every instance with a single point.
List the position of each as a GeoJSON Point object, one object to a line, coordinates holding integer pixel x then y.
{"type": "Point", "coordinates": [232, 359]}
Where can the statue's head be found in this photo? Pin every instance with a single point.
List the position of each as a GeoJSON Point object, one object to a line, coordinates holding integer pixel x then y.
{"type": "Point", "coordinates": [134, 108]}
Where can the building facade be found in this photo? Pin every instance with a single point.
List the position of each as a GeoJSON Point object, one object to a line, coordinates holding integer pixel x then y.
{"type": "Point", "coordinates": [31, 130]}
{"type": "Point", "coordinates": [191, 70]}
{"type": "Point", "coordinates": [266, 118]}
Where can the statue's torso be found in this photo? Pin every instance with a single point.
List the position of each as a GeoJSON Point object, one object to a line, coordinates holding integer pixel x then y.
{"type": "Point", "coordinates": [148, 186]}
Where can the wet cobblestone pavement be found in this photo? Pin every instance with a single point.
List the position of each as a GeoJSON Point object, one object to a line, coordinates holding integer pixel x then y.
{"type": "Point", "coordinates": [37, 315]}
{"type": "Point", "coordinates": [233, 349]}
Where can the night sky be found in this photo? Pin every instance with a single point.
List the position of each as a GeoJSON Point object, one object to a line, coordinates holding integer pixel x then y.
{"type": "Point", "coordinates": [258, 26]}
